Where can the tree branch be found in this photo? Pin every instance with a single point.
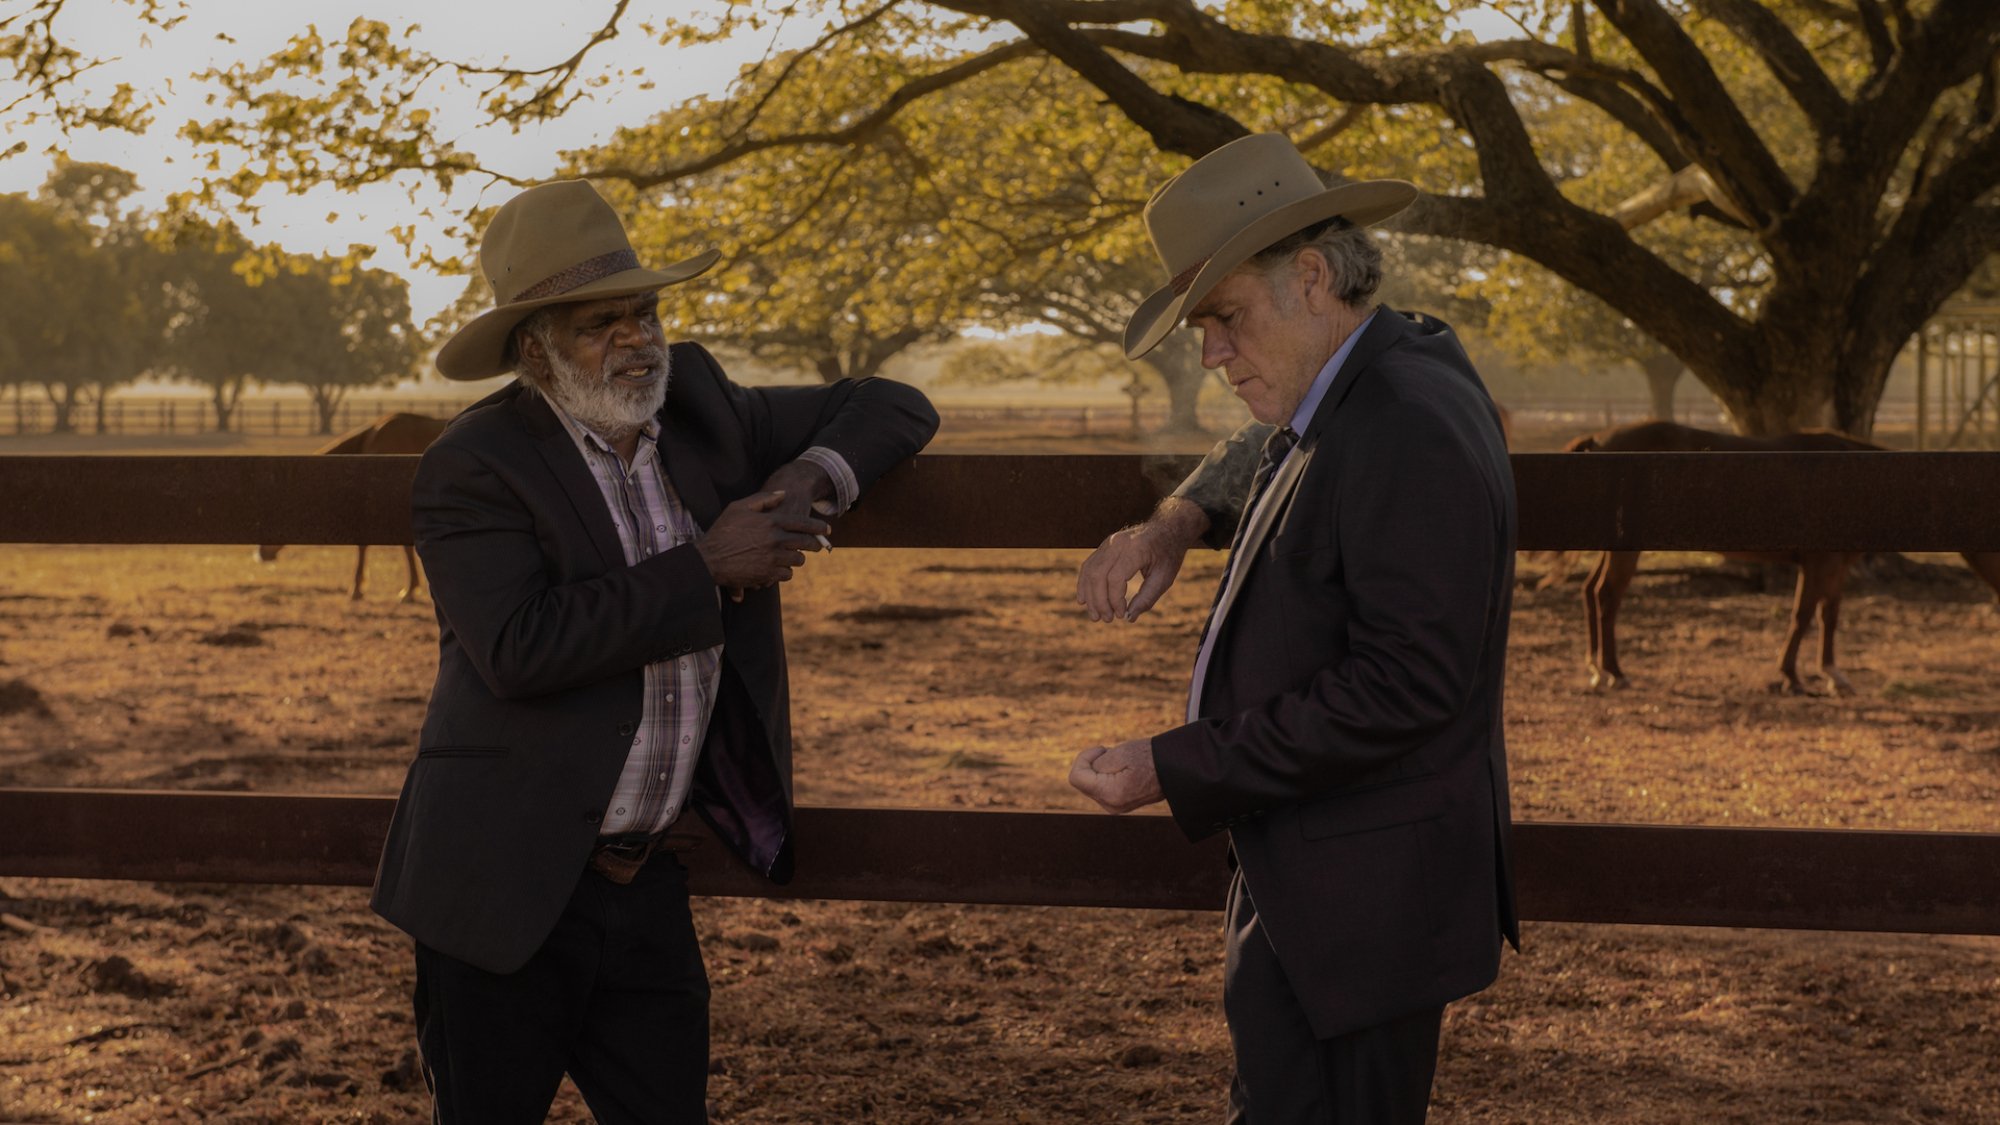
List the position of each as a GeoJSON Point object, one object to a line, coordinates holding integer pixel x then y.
{"type": "Point", "coordinates": [1176, 124]}
{"type": "Point", "coordinates": [1788, 59]}
{"type": "Point", "coordinates": [1876, 28]}
{"type": "Point", "coordinates": [1723, 140]}
{"type": "Point", "coordinates": [860, 129]}
{"type": "Point", "coordinates": [1342, 122]}
{"type": "Point", "coordinates": [792, 65]}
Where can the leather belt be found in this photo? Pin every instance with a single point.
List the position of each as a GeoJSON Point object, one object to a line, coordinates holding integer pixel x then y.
{"type": "Point", "coordinates": [619, 858]}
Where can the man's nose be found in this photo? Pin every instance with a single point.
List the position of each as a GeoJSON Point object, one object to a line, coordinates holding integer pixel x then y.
{"type": "Point", "coordinates": [1215, 349]}
{"type": "Point", "coordinates": [632, 332]}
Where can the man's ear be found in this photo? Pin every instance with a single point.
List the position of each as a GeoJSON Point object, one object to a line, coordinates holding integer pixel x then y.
{"type": "Point", "coordinates": [1316, 280]}
{"type": "Point", "coordinates": [528, 347]}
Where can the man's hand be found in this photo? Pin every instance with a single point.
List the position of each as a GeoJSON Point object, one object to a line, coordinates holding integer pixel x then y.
{"type": "Point", "coordinates": [1120, 778]}
{"type": "Point", "coordinates": [754, 543]}
{"type": "Point", "coordinates": [803, 484]}
{"type": "Point", "coordinates": [1153, 549]}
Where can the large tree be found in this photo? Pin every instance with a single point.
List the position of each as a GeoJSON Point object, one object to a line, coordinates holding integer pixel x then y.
{"type": "Point", "coordinates": [1865, 191]}
{"type": "Point", "coordinates": [336, 325]}
{"type": "Point", "coordinates": [80, 306]}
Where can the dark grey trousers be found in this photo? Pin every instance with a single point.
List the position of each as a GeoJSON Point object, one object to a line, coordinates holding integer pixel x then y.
{"type": "Point", "coordinates": [1378, 1075]}
{"type": "Point", "coordinates": [616, 997]}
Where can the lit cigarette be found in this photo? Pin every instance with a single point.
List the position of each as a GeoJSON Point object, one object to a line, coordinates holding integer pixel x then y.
{"type": "Point", "coordinates": [825, 544]}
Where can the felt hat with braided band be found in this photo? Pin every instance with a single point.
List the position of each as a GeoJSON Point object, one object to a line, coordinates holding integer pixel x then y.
{"type": "Point", "coordinates": [1240, 199]}
{"type": "Point", "coordinates": [552, 244]}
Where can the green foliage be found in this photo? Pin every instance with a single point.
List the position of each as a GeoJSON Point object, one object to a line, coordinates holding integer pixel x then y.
{"type": "Point", "coordinates": [43, 71]}
{"type": "Point", "coordinates": [242, 313]}
{"type": "Point", "coordinates": [93, 297]}
{"type": "Point", "coordinates": [1849, 150]}
{"type": "Point", "coordinates": [72, 318]}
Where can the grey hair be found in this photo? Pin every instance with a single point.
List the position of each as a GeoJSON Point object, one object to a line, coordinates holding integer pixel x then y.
{"type": "Point", "coordinates": [1354, 257]}
{"type": "Point", "coordinates": [541, 325]}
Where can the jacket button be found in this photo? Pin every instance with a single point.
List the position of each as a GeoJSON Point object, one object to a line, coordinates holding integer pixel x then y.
{"type": "Point", "coordinates": [627, 728]}
{"type": "Point", "coordinates": [593, 816]}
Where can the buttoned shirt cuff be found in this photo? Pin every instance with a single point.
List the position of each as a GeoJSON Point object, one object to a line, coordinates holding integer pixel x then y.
{"type": "Point", "coordinates": [845, 488]}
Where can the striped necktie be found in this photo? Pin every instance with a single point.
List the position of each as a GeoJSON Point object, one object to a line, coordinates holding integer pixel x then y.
{"type": "Point", "coordinates": [1276, 446]}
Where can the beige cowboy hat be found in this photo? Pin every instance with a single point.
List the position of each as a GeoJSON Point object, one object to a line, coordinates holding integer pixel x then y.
{"type": "Point", "coordinates": [550, 245]}
{"type": "Point", "coordinates": [1238, 200]}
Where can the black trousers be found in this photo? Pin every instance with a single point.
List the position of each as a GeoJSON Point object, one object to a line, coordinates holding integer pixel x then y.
{"type": "Point", "coordinates": [617, 998]}
{"type": "Point", "coordinates": [1378, 1075]}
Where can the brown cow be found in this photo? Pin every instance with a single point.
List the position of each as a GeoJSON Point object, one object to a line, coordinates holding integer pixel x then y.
{"type": "Point", "coordinates": [391, 433]}
{"type": "Point", "coordinates": [1822, 574]}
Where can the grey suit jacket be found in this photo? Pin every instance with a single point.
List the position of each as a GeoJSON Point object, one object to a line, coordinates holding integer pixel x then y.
{"type": "Point", "coordinates": [543, 632]}
{"type": "Point", "coordinates": [1350, 736]}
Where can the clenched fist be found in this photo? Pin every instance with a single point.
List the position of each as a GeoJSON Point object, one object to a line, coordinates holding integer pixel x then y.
{"type": "Point", "coordinates": [756, 542]}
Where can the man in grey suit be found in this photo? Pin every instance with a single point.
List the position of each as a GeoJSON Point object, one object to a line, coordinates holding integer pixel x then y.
{"type": "Point", "coordinates": [603, 537]}
{"type": "Point", "coordinates": [1344, 717]}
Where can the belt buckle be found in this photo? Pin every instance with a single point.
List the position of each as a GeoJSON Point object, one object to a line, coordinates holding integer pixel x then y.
{"type": "Point", "coordinates": [620, 859]}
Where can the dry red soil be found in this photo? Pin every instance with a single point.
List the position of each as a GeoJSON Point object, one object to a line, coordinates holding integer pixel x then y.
{"type": "Point", "coordinates": [195, 668]}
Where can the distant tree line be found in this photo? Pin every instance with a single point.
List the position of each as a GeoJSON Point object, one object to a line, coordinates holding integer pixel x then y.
{"type": "Point", "coordinates": [95, 295]}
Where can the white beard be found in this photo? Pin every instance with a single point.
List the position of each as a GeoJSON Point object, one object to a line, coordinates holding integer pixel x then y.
{"type": "Point", "coordinates": [611, 411]}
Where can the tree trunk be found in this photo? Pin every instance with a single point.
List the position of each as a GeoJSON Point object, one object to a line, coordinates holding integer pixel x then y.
{"type": "Point", "coordinates": [225, 395]}
{"type": "Point", "coordinates": [829, 369]}
{"type": "Point", "coordinates": [65, 406]}
{"type": "Point", "coordinates": [1178, 366]}
{"type": "Point", "coordinates": [1663, 375]}
{"type": "Point", "coordinates": [98, 403]}
{"type": "Point", "coordinates": [326, 402]}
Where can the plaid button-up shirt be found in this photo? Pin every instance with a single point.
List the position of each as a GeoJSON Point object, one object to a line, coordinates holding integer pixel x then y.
{"type": "Point", "coordinates": [679, 693]}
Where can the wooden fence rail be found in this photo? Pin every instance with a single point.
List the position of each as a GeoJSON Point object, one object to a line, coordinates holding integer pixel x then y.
{"type": "Point", "coordinates": [1675, 875]}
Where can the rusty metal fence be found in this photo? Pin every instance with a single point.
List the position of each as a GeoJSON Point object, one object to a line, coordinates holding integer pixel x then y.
{"type": "Point", "coordinates": [1656, 874]}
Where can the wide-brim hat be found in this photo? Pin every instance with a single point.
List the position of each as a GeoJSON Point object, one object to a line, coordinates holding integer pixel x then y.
{"type": "Point", "coordinates": [1228, 206]}
{"type": "Point", "coordinates": [551, 245]}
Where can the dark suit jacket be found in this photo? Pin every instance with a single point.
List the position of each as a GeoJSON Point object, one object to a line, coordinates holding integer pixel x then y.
{"type": "Point", "coordinates": [1350, 736]}
{"type": "Point", "coordinates": [544, 631]}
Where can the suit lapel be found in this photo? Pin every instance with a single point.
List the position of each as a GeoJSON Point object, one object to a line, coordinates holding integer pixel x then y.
{"type": "Point", "coordinates": [558, 451]}
{"type": "Point", "coordinates": [1277, 497]}
{"type": "Point", "coordinates": [1388, 328]}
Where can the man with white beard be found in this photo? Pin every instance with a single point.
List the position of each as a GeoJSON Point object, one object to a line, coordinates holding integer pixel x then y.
{"type": "Point", "coordinates": [604, 538]}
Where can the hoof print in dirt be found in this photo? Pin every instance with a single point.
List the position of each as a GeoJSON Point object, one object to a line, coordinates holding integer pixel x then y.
{"type": "Point", "coordinates": [407, 1074]}
{"type": "Point", "coordinates": [317, 962]}
{"type": "Point", "coordinates": [754, 942]}
{"type": "Point", "coordinates": [283, 937]}
{"type": "Point", "coordinates": [232, 638]}
{"type": "Point", "coordinates": [19, 697]}
{"type": "Point", "coordinates": [115, 974]}
{"type": "Point", "coordinates": [1141, 1054]}
{"type": "Point", "coordinates": [283, 1051]}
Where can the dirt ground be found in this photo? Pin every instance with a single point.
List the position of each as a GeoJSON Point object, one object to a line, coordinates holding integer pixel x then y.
{"type": "Point", "coordinates": [970, 679]}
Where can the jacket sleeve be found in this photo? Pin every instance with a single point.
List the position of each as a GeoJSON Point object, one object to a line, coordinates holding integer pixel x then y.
{"type": "Point", "coordinates": [1420, 529]}
{"type": "Point", "coordinates": [1220, 485]}
{"type": "Point", "coordinates": [873, 424]}
{"type": "Point", "coordinates": [525, 634]}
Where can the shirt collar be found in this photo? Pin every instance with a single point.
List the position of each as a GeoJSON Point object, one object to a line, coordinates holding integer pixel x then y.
{"type": "Point", "coordinates": [584, 435]}
{"type": "Point", "coordinates": [1328, 374]}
